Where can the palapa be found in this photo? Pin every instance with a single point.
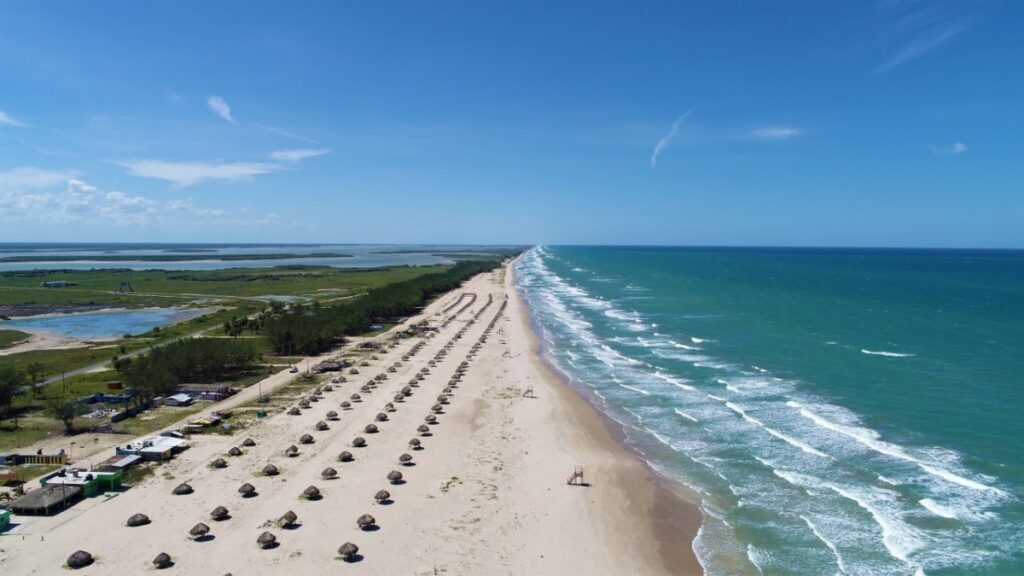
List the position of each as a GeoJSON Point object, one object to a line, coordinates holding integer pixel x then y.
{"type": "Point", "coordinates": [248, 442]}
{"type": "Point", "coordinates": [292, 450]}
{"type": "Point", "coordinates": [366, 522]}
{"type": "Point", "coordinates": [423, 429]}
{"type": "Point", "coordinates": [382, 496]}
{"type": "Point", "coordinates": [329, 473]}
{"type": "Point", "coordinates": [359, 442]}
{"type": "Point", "coordinates": [294, 411]}
{"type": "Point", "coordinates": [287, 519]}
{"type": "Point", "coordinates": [415, 443]}
{"type": "Point", "coordinates": [219, 463]}
{"type": "Point", "coordinates": [345, 456]}
{"type": "Point", "coordinates": [199, 530]}
{"type": "Point", "coordinates": [266, 540]}
{"type": "Point", "coordinates": [247, 490]}
{"type": "Point", "coordinates": [235, 451]}
{"type": "Point", "coordinates": [162, 560]}
{"type": "Point", "coordinates": [182, 489]}
{"type": "Point", "coordinates": [381, 417]}
{"type": "Point", "coordinates": [311, 493]}
{"type": "Point", "coordinates": [220, 513]}
{"type": "Point", "coordinates": [321, 426]}
{"type": "Point", "coordinates": [395, 477]}
{"type": "Point", "coordinates": [79, 559]}
{"type": "Point", "coordinates": [370, 429]}
{"type": "Point", "coordinates": [305, 439]}
{"type": "Point", "coordinates": [270, 470]}
{"type": "Point", "coordinates": [137, 520]}
{"type": "Point", "coordinates": [348, 551]}
{"type": "Point", "coordinates": [405, 459]}
{"type": "Point", "coordinates": [332, 415]}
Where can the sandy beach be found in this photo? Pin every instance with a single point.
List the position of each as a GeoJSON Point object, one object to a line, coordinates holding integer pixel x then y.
{"type": "Point", "coordinates": [485, 494]}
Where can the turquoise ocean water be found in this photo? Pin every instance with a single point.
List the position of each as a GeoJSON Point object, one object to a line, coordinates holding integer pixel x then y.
{"type": "Point", "coordinates": [836, 411]}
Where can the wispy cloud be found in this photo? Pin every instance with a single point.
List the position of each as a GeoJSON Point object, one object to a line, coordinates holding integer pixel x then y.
{"type": "Point", "coordinates": [667, 139]}
{"type": "Point", "coordinates": [923, 26]}
{"type": "Point", "coordinates": [185, 205]}
{"type": "Point", "coordinates": [283, 132]}
{"type": "Point", "coordinates": [776, 133]}
{"type": "Point", "coordinates": [7, 120]}
{"type": "Point", "coordinates": [69, 200]}
{"type": "Point", "coordinates": [220, 108]}
{"type": "Point", "coordinates": [298, 155]}
{"type": "Point", "coordinates": [33, 177]}
{"type": "Point", "coordinates": [954, 149]}
{"type": "Point", "coordinates": [184, 174]}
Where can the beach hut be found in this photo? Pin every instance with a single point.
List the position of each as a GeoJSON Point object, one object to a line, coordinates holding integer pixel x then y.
{"type": "Point", "coordinates": [405, 460]}
{"type": "Point", "coordinates": [287, 519]}
{"type": "Point", "coordinates": [321, 426]}
{"type": "Point", "coordinates": [382, 497]}
{"type": "Point", "coordinates": [248, 442]}
{"type": "Point", "coordinates": [345, 457]}
{"type": "Point", "coordinates": [294, 412]}
{"type": "Point", "coordinates": [305, 439]}
{"type": "Point", "coordinates": [346, 405]}
{"type": "Point", "coordinates": [437, 409]}
{"type": "Point", "coordinates": [430, 419]}
{"type": "Point", "coordinates": [183, 489]}
{"type": "Point", "coordinates": [359, 442]}
{"type": "Point", "coordinates": [220, 514]}
{"type": "Point", "coordinates": [292, 451]}
{"type": "Point", "coordinates": [348, 551]}
{"type": "Point", "coordinates": [415, 443]}
{"type": "Point", "coordinates": [355, 397]}
{"type": "Point", "coordinates": [79, 559]}
{"type": "Point", "coordinates": [266, 541]}
{"type": "Point", "coordinates": [162, 560]}
{"type": "Point", "coordinates": [329, 473]}
{"type": "Point", "coordinates": [235, 451]}
{"type": "Point", "coordinates": [423, 429]}
{"type": "Point", "coordinates": [370, 429]}
{"type": "Point", "coordinates": [332, 415]}
{"type": "Point", "coordinates": [247, 490]}
{"type": "Point", "coordinates": [366, 522]}
{"type": "Point", "coordinates": [136, 520]}
{"type": "Point", "coordinates": [311, 493]}
{"type": "Point", "coordinates": [270, 470]}
{"type": "Point", "coordinates": [381, 417]}
{"type": "Point", "coordinates": [395, 477]}
{"type": "Point", "coordinates": [199, 531]}
{"type": "Point", "coordinates": [219, 463]}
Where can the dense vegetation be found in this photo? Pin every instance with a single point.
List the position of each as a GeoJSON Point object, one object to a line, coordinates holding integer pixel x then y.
{"type": "Point", "coordinates": [311, 330]}
{"type": "Point", "coordinates": [162, 369]}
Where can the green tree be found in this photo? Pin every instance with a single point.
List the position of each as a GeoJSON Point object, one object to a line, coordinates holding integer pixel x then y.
{"type": "Point", "coordinates": [65, 409]}
{"type": "Point", "coordinates": [12, 382]}
{"type": "Point", "coordinates": [35, 372]}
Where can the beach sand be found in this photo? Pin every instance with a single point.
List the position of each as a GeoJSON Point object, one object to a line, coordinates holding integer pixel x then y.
{"type": "Point", "coordinates": [487, 494]}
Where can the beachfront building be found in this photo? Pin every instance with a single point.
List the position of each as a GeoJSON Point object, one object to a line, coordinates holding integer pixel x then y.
{"type": "Point", "coordinates": [178, 400]}
{"type": "Point", "coordinates": [153, 448]}
{"type": "Point", "coordinates": [209, 392]}
{"type": "Point", "coordinates": [5, 519]}
{"type": "Point", "coordinates": [62, 489]}
{"type": "Point", "coordinates": [92, 482]}
{"type": "Point", "coordinates": [58, 457]}
{"type": "Point", "coordinates": [58, 284]}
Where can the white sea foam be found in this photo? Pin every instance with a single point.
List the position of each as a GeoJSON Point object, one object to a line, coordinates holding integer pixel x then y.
{"type": "Point", "coordinates": [870, 439]}
{"type": "Point", "coordinates": [785, 438]}
{"type": "Point", "coordinates": [886, 353]}
{"type": "Point", "coordinates": [685, 415]}
{"type": "Point", "coordinates": [674, 381]}
{"type": "Point", "coordinates": [898, 538]}
{"type": "Point", "coordinates": [828, 543]}
{"type": "Point", "coordinates": [686, 347]}
{"type": "Point", "coordinates": [938, 509]}
{"type": "Point", "coordinates": [635, 389]}
{"type": "Point", "coordinates": [696, 340]}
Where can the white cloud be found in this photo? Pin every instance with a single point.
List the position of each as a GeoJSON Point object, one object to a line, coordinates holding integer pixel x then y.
{"type": "Point", "coordinates": [298, 155]}
{"type": "Point", "coordinates": [667, 139]}
{"type": "Point", "coordinates": [220, 108]}
{"type": "Point", "coordinates": [776, 133]}
{"type": "Point", "coordinates": [185, 205]}
{"type": "Point", "coordinates": [189, 173]}
{"type": "Point", "coordinates": [7, 120]}
{"type": "Point", "coordinates": [923, 27]}
{"type": "Point", "coordinates": [954, 149]}
{"type": "Point", "coordinates": [32, 177]}
{"type": "Point", "coordinates": [73, 201]}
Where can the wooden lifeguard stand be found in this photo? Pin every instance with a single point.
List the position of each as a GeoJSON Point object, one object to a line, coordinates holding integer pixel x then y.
{"type": "Point", "coordinates": [576, 479]}
{"type": "Point", "coordinates": [528, 393]}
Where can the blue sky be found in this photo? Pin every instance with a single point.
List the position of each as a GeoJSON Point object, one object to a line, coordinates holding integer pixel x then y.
{"type": "Point", "coordinates": [892, 123]}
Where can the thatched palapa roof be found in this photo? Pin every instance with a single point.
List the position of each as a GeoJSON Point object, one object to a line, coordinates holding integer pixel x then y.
{"type": "Point", "coordinates": [182, 489]}
{"type": "Point", "coordinates": [348, 551]}
{"type": "Point", "coordinates": [162, 560]}
{"type": "Point", "coordinates": [220, 513]}
{"type": "Point", "coordinates": [79, 559]}
{"type": "Point", "coordinates": [366, 521]}
{"type": "Point", "coordinates": [266, 540]}
{"type": "Point", "coordinates": [137, 520]}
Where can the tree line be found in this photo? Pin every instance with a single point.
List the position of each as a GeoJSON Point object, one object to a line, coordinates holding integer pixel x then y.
{"type": "Point", "coordinates": [311, 330]}
{"type": "Point", "coordinates": [200, 360]}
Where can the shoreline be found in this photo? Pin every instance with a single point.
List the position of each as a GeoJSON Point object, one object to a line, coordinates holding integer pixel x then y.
{"type": "Point", "coordinates": [672, 518]}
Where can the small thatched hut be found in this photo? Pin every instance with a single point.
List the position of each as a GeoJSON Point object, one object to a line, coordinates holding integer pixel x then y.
{"type": "Point", "coordinates": [220, 513]}
{"type": "Point", "coordinates": [248, 442]}
{"type": "Point", "coordinates": [329, 473]}
{"type": "Point", "coordinates": [321, 426]}
{"type": "Point", "coordinates": [395, 477]}
{"type": "Point", "coordinates": [332, 415]}
{"type": "Point", "coordinates": [381, 417]}
{"type": "Point", "coordinates": [199, 530]}
{"type": "Point", "coordinates": [430, 419]}
{"type": "Point", "coordinates": [183, 489]}
{"type": "Point", "coordinates": [399, 398]}
{"type": "Point", "coordinates": [382, 496]}
{"type": "Point", "coordinates": [423, 429]}
{"type": "Point", "coordinates": [270, 470]}
{"type": "Point", "coordinates": [291, 451]}
{"type": "Point", "coordinates": [415, 443]}
{"type": "Point", "coordinates": [405, 460]}
{"type": "Point", "coordinates": [437, 409]}
{"type": "Point", "coordinates": [235, 451]}
{"type": "Point", "coordinates": [346, 405]}
{"type": "Point", "coordinates": [355, 397]}
{"type": "Point", "coordinates": [287, 519]}
{"type": "Point", "coordinates": [365, 522]}
{"type": "Point", "coordinates": [359, 442]}
{"type": "Point", "coordinates": [348, 551]}
{"type": "Point", "coordinates": [370, 429]}
{"type": "Point", "coordinates": [311, 493]}
{"type": "Point", "coordinates": [162, 560]}
{"type": "Point", "coordinates": [266, 540]}
{"type": "Point", "coordinates": [305, 439]}
{"type": "Point", "coordinates": [219, 463]}
{"type": "Point", "coordinates": [345, 457]}
{"type": "Point", "coordinates": [79, 559]}
{"type": "Point", "coordinates": [247, 490]}
{"type": "Point", "coordinates": [137, 520]}
{"type": "Point", "coordinates": [294, 411]}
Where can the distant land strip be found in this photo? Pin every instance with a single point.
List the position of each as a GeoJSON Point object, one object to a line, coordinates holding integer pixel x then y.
{"type": "Point", "coordinates": [169, 257]}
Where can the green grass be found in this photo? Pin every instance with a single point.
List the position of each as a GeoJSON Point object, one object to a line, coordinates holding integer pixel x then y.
{"type": "Point", "coordinates": [9, 338]}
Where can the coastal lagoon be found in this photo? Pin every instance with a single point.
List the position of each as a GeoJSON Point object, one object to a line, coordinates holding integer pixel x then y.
{"type": "Point", "coordinates": [103, 325]}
